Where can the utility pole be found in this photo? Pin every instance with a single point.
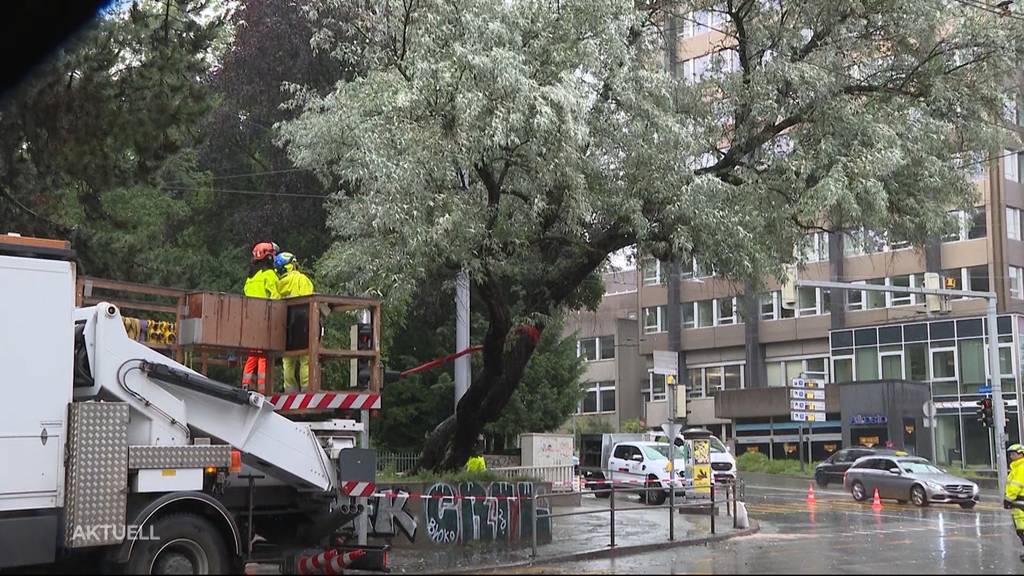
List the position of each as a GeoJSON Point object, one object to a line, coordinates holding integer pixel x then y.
{"type": "Point", "coordinates": [461, 335]}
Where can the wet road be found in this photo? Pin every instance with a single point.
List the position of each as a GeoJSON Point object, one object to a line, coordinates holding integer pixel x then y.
{"type": "Point", "coordinates": [837, 535]}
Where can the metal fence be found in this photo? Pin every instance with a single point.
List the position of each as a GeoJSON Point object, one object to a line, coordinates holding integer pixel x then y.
{"type": "Point", "coordinates": [562, 478]}
{"type": "Point", "coordinates": [397, 462]}
{"type": "Point", "coordinates": [727, 495]}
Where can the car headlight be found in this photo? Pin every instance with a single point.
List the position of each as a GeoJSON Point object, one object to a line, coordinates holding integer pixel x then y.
{"type": "Point", "coordinates": [974, 488]}
{"type": "Point", "coordinates": [935, 486]}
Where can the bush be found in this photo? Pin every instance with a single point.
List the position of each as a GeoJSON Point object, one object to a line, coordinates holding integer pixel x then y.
{"type": "Point", "coordinates": [760, 463]}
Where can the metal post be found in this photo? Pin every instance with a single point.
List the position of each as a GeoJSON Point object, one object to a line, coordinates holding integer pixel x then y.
{"type": "Point", "coordinates": [461, 334]}
{"type": "Point", "coordinates": [801, 446]}
{"type": "Point", "coordinates": [933, 417]}
{"type": "Point", "coordinates": [611, 503]}
{"type": "Point", "coordinates": [997, 394]}
{"type": "Point", "coordinates": [735, 499]}
{"type": "Point", "coordinates": [675, 329]}
{"type": "Point", "coordinates": [712, 507]}
{"type": "Point", "coordinates": [533, 521]}
{"type": "Point", "coordinates": [362, 522]}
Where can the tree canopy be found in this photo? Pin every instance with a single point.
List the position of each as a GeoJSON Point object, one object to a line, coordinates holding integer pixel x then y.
{"type": "Point", "coordinates": [526, 141]}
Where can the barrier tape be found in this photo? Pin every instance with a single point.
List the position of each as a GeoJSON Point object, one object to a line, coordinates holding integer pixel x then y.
{"type": "Point", "coordinates": [457, 497]}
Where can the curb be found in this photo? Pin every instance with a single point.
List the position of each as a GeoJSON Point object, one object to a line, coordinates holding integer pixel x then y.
{"type": "Point", "coordinates": [616, 552]}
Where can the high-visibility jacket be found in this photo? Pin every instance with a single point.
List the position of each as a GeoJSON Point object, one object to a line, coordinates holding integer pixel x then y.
{"type": "Point", "coordinates": [476, 464]}
{"type": "Point", "coordinates": [294, 283]}
{"type": "Point", "coordinates": [262, 284]}
{"type": "Point", "coordinates": [1015, 490]}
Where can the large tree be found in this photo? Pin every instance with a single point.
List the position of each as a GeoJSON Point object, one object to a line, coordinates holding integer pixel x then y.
{"type": "Point", "coordinates": [90, 138]}
{"type": "Point", "coordinates": [526, 141]}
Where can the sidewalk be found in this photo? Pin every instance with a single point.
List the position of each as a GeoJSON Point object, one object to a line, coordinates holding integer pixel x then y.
{"type": "Point", "coordinates": [573, 536]}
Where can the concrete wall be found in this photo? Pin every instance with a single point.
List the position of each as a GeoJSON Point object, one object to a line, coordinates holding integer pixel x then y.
{"type": "Point", "coordinates": [442, 514]}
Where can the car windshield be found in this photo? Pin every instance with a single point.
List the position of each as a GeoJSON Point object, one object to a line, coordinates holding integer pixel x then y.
{"type": "Point", "coordinates": [919, 467]}
{"type": "Point", "coordinates": [658, 452]}
{"type": "Point", "coordinates": [717, 446]}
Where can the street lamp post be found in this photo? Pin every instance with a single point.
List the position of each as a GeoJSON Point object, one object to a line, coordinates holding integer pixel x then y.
{"type": "Point", "coordinates": [993, 350]}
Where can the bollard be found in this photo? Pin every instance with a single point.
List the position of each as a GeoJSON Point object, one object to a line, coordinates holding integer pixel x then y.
{"type": "Point", "coordinates": [735, 499]}
{"type": "Point", "coordinates": [672, 506]}
{"type": "Point", "coordinates": [712, 508]}
{"type": "Point", "coordinates": [533, 534]}
{"type": "Point", "coordinates": [611, 502]}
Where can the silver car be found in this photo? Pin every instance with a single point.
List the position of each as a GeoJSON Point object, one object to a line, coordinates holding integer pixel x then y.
{"type": "Point", "coordinates": [908, 478]}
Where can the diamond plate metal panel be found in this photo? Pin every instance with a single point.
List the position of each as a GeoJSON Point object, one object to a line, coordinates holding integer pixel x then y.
{"type": "Point", "coordinates": [97, 473]}
{"type": "Point", "coordinates": [151, 457]}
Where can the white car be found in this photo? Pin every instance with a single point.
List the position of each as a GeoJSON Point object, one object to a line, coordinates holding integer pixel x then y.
{"type": "Point", "coordinates": [723, 463]}
{"type": "Point", "coordinates": [636, 464]}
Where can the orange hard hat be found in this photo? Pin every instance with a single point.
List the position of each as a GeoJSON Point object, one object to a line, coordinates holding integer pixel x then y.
{"type": "Point", "coordinates": [262, 250]}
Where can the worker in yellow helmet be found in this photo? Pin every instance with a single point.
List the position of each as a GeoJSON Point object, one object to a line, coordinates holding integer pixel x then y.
{"type": "Point", "coordinates": [261, 283]}
{"type": "Point", "coordinates": [1013, 499]}
{"type": "Point", "coordinates": [292, 283]}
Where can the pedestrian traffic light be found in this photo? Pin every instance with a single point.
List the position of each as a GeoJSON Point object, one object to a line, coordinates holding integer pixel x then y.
{"type": "Point", "coordinates": [985, 412]}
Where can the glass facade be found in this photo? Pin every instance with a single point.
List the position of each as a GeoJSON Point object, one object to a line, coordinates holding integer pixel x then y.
{"type": "Point", "coordinates": [951, 355]}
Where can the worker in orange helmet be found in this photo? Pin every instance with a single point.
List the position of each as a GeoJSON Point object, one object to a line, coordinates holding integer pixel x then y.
{"type": "Point", "coordinates": [261, 283]}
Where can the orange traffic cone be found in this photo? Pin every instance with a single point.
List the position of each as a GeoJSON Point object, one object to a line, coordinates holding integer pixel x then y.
{"type": "Point", "coordinates": [876, 504]}
{"type": "Point", "coordinates": [810, 494]}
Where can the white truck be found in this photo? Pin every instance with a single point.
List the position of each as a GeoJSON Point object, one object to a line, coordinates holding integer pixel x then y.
{"type": "Point", "coordinates": [629, 462]}
{"type": "Point", "coordinates": [116, 454]}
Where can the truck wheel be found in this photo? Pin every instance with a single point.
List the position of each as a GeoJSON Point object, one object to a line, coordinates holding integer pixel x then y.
{"type": "Point", "coordinates": [654, 497]}
{"type": "Point", "coordinates": [183, 544]}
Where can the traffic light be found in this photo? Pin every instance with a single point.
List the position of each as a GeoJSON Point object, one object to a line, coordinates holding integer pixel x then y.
{"type": "Point", "coordinates": [362, 337]}
{"type": "Point", "coordinates": [985, 412]}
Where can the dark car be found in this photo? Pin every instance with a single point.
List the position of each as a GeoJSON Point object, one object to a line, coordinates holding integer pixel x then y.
{"type": "Point", "coordinates": [833, 469]}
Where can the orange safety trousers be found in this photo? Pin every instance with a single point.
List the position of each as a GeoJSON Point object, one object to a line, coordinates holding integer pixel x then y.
{"type": "Point", "coordinates": [255, 371]}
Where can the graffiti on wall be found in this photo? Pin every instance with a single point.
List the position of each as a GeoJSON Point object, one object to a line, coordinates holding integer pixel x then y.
{"type": "Point", "coordinates": [461, 513]}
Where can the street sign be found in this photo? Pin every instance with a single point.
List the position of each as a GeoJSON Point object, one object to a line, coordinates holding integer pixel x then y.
{"type": "Point", "coordinates": [798, 394]}
{"type": "Point", "coordinates": [985, 390]}
{"type": "Point", "coordinates": [807, 400]}
{"type": "Point", "coordinates": [671, 430]}
{"type": "Point", "coordinates": [807, 405]}
{"type": "Point", "coordinates": [929, 409]}
{"type": "Point", "coordinates": [666, 362]}
{"type": "Point", "coordinates": [807, 416]}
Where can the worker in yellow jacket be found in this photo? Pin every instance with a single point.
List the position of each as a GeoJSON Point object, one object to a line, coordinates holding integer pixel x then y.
{"type": "Point", "coordinates": [292, 283]}
{"type": "Point", "coordinates": [1014, 496]}
{"type": "Point", "coordinates": [261, 283]}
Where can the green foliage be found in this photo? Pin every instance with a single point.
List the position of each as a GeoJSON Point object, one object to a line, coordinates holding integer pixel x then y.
{"type": "Point", "coordinates": [88, 142]}
{"type": "Point", "coordinates": [634, 426]}
{"type": "Point", "coordinates": [549, 391]}
{"type": "Point", "coordinates": [411, 409]}
{"type": "Point", "coordinates": [760, 463]}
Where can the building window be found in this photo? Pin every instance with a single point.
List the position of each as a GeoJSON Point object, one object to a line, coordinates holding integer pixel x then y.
{"type": "Point", "coordinates": [598, 397]}
{"type": "Point", "coordinates": [875, 299]}
{"type": "Point", "coordinates": [806, 301]}
{"type": "Point", "coordinates": [705, 313]}
{"type": "Point", "coordinates": [814, 247]}
{"type": "Point", "coordinates": [898, 299]}
{"type": "Point", "coordinates": [976, 224]}
{"type": "Point", "coordinates": [977, 278]}
{"type": "Point", "coordinates": [944, 370]}
{"type": "Point", "coordinates": [655, 390]}
{"type": "Point", "coordinates": [733, 377]}
{"type": "Point", "coordinates": [1011, 169]}
{"type": "Point", "coordinates": [598, 348]}
{"type": "Point", "coordinates": [843, 369]}
{"type": "Point", "coordinates": [855, 299]}
{"type": "Point", "coordinates": [726, 310]}
{"type": "Point", "coordinates": [1010, 110]}
{"type": "Point", "coordinates": [768, 306]}
{"type": "Point", "coordinates": [695, 383]}
{"type": "Point", "coordinates": [1013, 229]}
{"type": "Point", "coordinates": [689, 314]}
{"type": "Point", "coordinates": [652, 272]}
{"type": "Point", "coordinates": [1016, 282]}
{"type": "Point", "coordinates": [654, 319]}
{"type": "Point", "coordinates": [781, 372]}
{"type": "Point", "coordinates": [713, 377]}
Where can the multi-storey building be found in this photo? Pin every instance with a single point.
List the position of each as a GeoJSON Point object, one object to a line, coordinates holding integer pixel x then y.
{"type": "Point", "coordinates": [858, 336]}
